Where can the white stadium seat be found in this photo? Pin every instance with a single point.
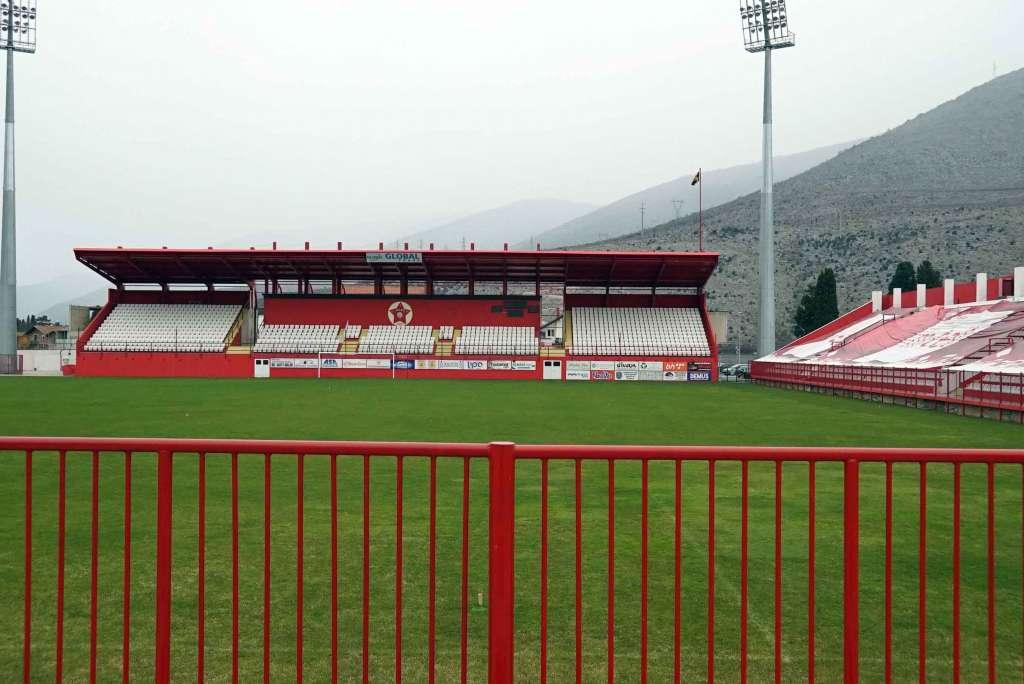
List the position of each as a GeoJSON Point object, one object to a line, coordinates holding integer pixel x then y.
{"type": "Point", "coordinates": [637, 331]}
{"type": "Point", "coordinates": [398, 339]}
{"type": "Point", "coordinates": [165, 328]}
{"type": "Point", "coordinates": [494, 339]}
{"type": "Point", "coordinates": [306, 339]}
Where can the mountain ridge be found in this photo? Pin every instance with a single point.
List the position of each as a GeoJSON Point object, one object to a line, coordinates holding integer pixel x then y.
{"type": "Point", "coordinates": [720, 185]}
{"type": "Point", "coordinates": [946, 185]}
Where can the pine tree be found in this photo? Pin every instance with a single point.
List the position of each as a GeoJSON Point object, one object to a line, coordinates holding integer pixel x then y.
{"type": "Point", "coordinates": [820, 304]}
{"type": "Point", "coordinates": [927, 275]}
{"type": "Point", "coordinates": [827, 300]}
{"type": "Point", "coordinates": [803, 321]}
{"type": "Point", "coordinates": [904, 278]}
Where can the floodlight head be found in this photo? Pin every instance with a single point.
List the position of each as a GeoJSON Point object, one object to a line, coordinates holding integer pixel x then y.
{"type": "Point", "coordinates": [18, 25]}
{"type": "Point", "coordinates": [765, 25]}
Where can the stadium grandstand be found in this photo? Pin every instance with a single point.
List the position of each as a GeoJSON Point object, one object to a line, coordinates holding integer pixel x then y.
{"type": "Point", "coordinates": [959, 347]}
{"type": "Point", "coordinates": [452, 314]}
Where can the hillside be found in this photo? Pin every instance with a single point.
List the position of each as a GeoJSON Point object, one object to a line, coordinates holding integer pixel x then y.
{"type": "Point", "coordinates": [512, 223]}
{"type": "Point", "coordinates": [52, 296]}
{"type": "Point", "coordinates": [947, 186]}
{"type": "Point", "coordinates": [720, 186]}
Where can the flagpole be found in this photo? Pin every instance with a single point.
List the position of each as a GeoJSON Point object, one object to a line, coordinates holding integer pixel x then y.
{"type": "Point", "coordinates": [700, 195]}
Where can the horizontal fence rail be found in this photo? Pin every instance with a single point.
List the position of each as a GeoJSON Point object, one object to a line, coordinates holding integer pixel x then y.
{"type": "Point", "coordinates": [521, 507]}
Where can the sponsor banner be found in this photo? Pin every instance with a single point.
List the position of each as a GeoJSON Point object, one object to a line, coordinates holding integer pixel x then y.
{"type": "Point", "coordinates": [674, 376]}
{"type": "Point", "coordinates": [652, 366]}
{"type": "Point", "coordinates": [577, 365]}
{"type": "Point", "coordinates": [394, 257]}
{"type": "Point", "coordinates": [577, 375]}
{"type": "Point", "coordinates": [379, 363]}
{"type": "Point", "coordinates": [500, 365]}
{"type": "Point", "coordinates": [524, 365]}
{"type": "Point", "coordinates": [426, 364]}
{"type": "Point", "coordinates": [353, 363]}
{"type": "Point", "coordinates": [602, 365]}
{"type": "Point", "coordinates": [602, 375]}
{"type": "Point", "coordinates": [627, 365]}
{"type": "Point", "coordinates": [696, 366]}
{"type": "Point", "coordinates": [449, 364]}
{"type": "Point", "coordinates": [330, 363]}
{"type": "Point", "coordinates": [675, 366]}
{"type": "Point", "coordinates": [404, 364]}
{"type": "Point", "coordinates": [474, 365]}
{"type": "Point", "coordinates": [651, 375]}
{"type": "Point", "coordinates": [627, 375]}
{"type": "Point", "coordinates": [293, 363]}
{"type": "Point", "coordinates": [699, 376]}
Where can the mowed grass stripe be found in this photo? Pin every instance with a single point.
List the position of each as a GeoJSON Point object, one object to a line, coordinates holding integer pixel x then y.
{"type": "Point", "coordinates": [524, 412]}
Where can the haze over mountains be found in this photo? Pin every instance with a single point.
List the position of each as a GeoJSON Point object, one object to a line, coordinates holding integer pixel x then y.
{"type": "Point", "coordinates": [947, 186]}
{"type": "Point", "coordinates": [512, 223]}
{"type": "Point", "coordinates": [488, 229]}
{"type": "Point", "coordinates": [720, 185]}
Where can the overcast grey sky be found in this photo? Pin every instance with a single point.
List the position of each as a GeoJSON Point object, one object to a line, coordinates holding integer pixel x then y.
{"type": "Point", "coordinates": [149, 122]}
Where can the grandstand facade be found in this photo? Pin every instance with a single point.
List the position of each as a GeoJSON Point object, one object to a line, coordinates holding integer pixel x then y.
{"type": "Point", "coordinates": [591, 316]}
{"type": "Point", "coordinates": [959, 347]}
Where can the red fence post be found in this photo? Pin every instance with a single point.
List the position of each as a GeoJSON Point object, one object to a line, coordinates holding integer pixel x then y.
{"type": "Point", "coordinates": [851, 570]}
{"type": "Point", "coordinates": [163, 568]}
{"type": "Point", "coordinates": [501, 562]}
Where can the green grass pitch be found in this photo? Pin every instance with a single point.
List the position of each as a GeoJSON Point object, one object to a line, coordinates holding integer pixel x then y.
{"type": "Point", "coordinates": [526, 412]}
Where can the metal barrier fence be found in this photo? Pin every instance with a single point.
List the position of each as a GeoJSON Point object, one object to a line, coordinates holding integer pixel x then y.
{"type": "Point", "coordinates": [502, 459]}
{"type": "Point", "coordinates": [10, 364]}
{"type": "Point", "coordinates": [1001, 391]}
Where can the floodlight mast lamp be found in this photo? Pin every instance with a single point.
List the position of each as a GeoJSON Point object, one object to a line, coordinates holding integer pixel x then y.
{"type": "Point", "coordinates": [766, 28]}
{"type": "Point", "coordinates": [17, 34]}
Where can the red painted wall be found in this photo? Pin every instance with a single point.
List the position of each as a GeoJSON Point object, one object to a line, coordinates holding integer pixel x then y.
{"type": "Point", "coordinates": [164, 364]}
{"type": "Point", "coordinates": [433, 311]}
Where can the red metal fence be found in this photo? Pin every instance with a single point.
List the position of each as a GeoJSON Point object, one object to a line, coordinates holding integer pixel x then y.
{"type": "Point", "coordinates": [502, 459]}
{"type": "Point", "coordinates": [999, 391]}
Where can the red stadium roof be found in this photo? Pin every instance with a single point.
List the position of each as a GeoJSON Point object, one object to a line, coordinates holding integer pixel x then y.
{"type": "Point", "coordinates": [232, 266]}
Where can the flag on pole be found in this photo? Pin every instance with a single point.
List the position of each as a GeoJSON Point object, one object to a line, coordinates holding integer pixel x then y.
{"type": "Point", "coordinates": [696, 179]}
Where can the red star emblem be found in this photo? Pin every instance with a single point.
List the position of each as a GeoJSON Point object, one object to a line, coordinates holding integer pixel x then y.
{"type": "Point", "coordinates": [400, 313]}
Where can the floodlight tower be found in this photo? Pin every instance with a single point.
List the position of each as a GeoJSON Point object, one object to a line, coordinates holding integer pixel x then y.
{"type": "Point", "coordinates": [17, 34]}
{"type": "Point", "coordinates": [766, 28]}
